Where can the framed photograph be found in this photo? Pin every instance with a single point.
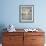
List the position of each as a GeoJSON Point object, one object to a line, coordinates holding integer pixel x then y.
{"type": "Point", "coordinates": [26, 13]}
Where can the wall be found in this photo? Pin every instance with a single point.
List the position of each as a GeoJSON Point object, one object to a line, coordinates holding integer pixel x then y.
{"type": "Point", "coordinates": [10, 13]}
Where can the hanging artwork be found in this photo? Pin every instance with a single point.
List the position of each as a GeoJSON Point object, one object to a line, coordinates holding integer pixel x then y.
{"type": "Point", "coordinates": [26, 13]}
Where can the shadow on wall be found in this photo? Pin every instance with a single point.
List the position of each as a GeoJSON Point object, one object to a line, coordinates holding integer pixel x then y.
{"type": "Point", "coordinates": [2, 26]}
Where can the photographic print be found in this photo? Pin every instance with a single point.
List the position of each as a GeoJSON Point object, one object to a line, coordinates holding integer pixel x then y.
{"type": "Point", "coordinates": [26, 13]}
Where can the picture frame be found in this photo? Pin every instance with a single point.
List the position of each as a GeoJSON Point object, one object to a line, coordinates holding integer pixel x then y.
{"type": "Point", "coordinates": [26, 13]}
